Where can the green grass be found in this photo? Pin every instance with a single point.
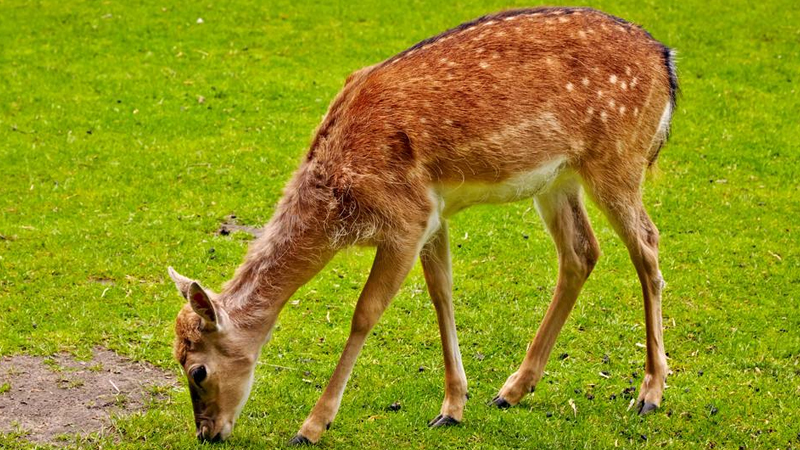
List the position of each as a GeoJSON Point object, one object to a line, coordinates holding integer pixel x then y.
{"type": "Point", "coordinates": [111, 169]}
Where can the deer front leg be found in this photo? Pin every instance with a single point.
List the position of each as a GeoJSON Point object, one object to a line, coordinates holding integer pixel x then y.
{"type": "Point", "coordinates": [390, 268]}
{"type": "Point", "coordinates": [435, 259]}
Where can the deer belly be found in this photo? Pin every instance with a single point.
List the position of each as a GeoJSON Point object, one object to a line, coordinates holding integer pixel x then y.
{"type": "Point", "coordinates": [453, 197]}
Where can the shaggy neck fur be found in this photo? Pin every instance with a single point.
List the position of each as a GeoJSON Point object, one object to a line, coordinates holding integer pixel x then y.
{"type": "Point", "coordinates": [291, 250]}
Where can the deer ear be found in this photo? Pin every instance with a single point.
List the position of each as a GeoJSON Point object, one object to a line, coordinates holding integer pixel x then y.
{"type": "Point", "coordinates": [202, 305]}
{"type": "Point", "coordinates": [181, 282]}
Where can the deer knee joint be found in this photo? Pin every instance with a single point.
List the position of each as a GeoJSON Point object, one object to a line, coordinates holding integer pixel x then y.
{"type": "Point", "coordinates": [582, 262]}
{"type": "Point", "coordinates": [591, 256]}
{"type": "Point", "coordinates": [362, 323]}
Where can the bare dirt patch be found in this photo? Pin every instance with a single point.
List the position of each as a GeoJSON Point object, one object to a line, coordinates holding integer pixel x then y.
{"type": "Point", "coordinates": [231, 225]}
{"type": "Point", "coordinates": [46, 397]}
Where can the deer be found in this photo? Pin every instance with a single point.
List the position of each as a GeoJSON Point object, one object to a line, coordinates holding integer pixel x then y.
{"type": "Point", "coordinates": [550, 104]}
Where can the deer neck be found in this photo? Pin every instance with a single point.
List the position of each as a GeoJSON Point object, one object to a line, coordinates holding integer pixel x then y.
{"type": "Point", "coordinates": [292, 249]}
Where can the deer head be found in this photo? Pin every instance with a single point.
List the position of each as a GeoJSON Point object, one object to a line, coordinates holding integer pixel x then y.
{"type": "Point", "coordinates": [217, 357]}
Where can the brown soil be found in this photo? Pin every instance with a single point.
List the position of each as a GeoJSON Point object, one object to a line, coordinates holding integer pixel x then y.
{"type": "Point", "coordinates": [231, 225]}
{"type": "Point", "coordinates": [45, 397]}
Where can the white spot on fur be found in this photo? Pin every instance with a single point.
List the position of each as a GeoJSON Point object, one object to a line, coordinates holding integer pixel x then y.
{"type": "Point", "coordinates": [585, 82]}
{"type": "Point", "coordinates": [612, 79]}
{"type": "Point", "coordinates": [611, 103]}
{"type": "Point", "coordinates": [582, 34]}
{"type": "Point", "coordinates": [623, 85]}
{"type": "Point", "coordinates": [627, 70]}
{"type": "Point", "coordinates": [569, 87]}
{"type": "Point", "coordinates": [483, 65]}
{"type": "Point", "coordinates": [599, 94]}
{"type": "Point", "coordinates": [507, 19]}
{"type": "Point", "coordinates": [590, 111]}
{"type": "Point", "coordinates": [563, 19]}
{"type": "Point", "coordinates": [634, 82]}
{"type": "Point", "coordinates": [622, 110]}
{"type": "Point", "coordinates": [423, 120]}
{"type": "Point", "coordinates": [603, 116]}
{"type": "Point", "coordinates": [636, 112]}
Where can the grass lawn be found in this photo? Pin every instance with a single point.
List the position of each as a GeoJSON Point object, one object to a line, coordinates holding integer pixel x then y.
{"type": "Point", "coordinates": [128, 134]}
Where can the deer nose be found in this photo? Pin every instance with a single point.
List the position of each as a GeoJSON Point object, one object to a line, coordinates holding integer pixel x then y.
{"type": "Point", "coordinates": [204, 434]}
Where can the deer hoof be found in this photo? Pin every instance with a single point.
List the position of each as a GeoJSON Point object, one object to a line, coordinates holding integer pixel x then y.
{"type": "Point", "coordinates": [299, 439]}
{"type": "Point", "coordinates": [500, 402]}
{"type": "Point", "coordinates": [646, 408]}
{"type": "Point", "coordinates": [443, 421]}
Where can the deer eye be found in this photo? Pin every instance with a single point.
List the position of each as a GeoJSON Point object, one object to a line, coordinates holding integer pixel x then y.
{"type": "Point", "coordinates": [198, 374]}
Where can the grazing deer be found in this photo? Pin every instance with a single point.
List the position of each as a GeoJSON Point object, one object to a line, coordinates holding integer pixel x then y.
{"type": "Point", "coordinates": [534, 103]}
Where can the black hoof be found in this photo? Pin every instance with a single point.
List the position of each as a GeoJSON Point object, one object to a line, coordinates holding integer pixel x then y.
{"type": "Point", "coordinates": [443, 421]}
{"type": "Point", "coordinates": [500, 402]}
{"type": "Point", "coordinates": [299, 439]}
{"type": "Point", "coordinates": [646, 408]}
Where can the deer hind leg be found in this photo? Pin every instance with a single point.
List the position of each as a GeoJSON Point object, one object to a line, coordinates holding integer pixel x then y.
{"type": "Point", "coordinates": [627, 214]}
{"type": "Point", "coordinates": [391, 266]}
{"type": "Point", "coordinates": [435, 259]}
{"type": "Point", "coordinates": [563, 213]}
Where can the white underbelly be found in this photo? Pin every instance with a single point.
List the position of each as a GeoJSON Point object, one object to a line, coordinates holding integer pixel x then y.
{"type": "Point", "coordinates": [452, 198]}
